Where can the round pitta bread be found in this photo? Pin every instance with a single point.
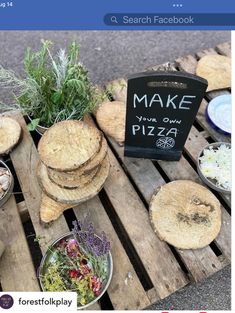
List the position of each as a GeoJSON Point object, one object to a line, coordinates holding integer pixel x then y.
{"type": "Point", "coordinates": [88, 168]}
{"type": "Point", "coordinates": [73, 196]}
{"type": "Point", "coordinates": [185, 214]}
{"type": "Point", "coordinates": [216, 69]}
{"type": "Point", "coordinates": [68, 145]}
{"type": "Point", "coordinates": [72, 182]}
{"type": "Point", "coordinates": [111, 117]}
{"type": "Point", "coordinates": [10, 132]}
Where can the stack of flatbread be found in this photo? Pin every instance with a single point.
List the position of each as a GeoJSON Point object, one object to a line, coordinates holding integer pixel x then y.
{"type": "Point", "coordinates": [73, 168]}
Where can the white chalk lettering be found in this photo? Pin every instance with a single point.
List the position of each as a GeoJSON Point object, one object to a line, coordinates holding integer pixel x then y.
{"type": "Point", "coordinates": [183, 101]}
{"type": "Point", "coordinates": [135, 128]}
{"type": "Point", "coordinates": [143, 129]}
{"type": "Point", "coordinates": [158, 99]}
{"type": "Point", "coordinates": [167, 120]}
{"type": "Point", "coordinates": [136, 98]}
{"type": "Point", "coordinates": [170, 101]}
{"type": "Point", "coordinates": [160, 133]}
{"type": "Point", "coordinates": [151, 131]}
{"type": "Point", "coordinates": [146, 119]}
{"type": "Point", "coordinates": [172, 131]}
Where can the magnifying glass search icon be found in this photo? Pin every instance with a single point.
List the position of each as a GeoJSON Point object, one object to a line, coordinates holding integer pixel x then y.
{"type": "Point", "coordinates": [114, 19]}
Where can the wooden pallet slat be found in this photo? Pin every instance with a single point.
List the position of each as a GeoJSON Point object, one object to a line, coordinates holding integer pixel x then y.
{"type": "Point", "coordinates": [23, 211]}
{"type": "Point", "coordinates": [120, 283]}
{"type": "Point", "coordinates": [16, 268]}
{"type": "Point", "coordinates": [25, 160]}
{"type": "Point", "coordinates": [167, 275]}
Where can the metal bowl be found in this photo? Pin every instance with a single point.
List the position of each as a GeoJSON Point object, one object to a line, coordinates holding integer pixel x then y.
{"type": "Point", "coordinates": [48, 257]}
{"type": "Point", "coordinates": [10, 188]}
{"type": "Point", "coordinates": [210, 182]}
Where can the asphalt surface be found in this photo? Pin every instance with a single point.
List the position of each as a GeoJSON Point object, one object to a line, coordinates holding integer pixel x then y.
{"type": "Point", "coordinates": [109, 55]}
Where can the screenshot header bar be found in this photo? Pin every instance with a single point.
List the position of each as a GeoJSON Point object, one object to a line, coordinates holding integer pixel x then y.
{"type": "Point", "coordinates": [106, 14]}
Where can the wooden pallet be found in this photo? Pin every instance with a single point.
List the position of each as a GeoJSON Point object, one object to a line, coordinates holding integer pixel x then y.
{"type": "Point", "coordinates": [145, 268]}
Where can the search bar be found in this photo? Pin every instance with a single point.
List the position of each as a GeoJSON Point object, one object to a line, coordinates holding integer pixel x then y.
{"type": "Point", "coordinates": [168, 19]}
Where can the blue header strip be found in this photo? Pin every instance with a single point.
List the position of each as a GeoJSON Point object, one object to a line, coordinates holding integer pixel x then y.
{"type": "Point", "coordinates": [91, 14]}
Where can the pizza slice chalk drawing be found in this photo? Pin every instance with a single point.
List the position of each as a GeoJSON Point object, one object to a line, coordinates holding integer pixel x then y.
{"type": "Point", "coordinates": [165, 143]}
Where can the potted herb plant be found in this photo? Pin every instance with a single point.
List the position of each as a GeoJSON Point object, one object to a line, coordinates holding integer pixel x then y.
{"type": "Point", "coordinates": [55, 88]}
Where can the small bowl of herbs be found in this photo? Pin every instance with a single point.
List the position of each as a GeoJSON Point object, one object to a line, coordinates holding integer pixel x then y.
{"type": "Point", "coordinates": [79, 261]}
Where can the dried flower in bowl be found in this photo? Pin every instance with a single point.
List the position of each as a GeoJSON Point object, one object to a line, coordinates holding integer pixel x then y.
{"type": "Point", "coordinates": [215, 163]}
{"type": "Point", "coordinates": [5, 180]}
{"type": "Point", "coordinates": [6, 183]}
{"type": "Point", "coordinates": [80, 261]}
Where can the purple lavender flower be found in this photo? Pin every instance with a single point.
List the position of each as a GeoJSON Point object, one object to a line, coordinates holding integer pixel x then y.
{"type": "Point", "coordinates": [76, 227]}
{"type": "Point", "coordinates": [85, 234]}
{"type": "Point", "coordinates": [106, 248]}
{"type": "Point", "coordinates": [91, 228]}
{"type": "Point", "coordinates": [82, 236]}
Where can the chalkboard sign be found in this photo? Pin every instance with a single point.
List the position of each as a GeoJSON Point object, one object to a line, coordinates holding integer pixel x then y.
{"type": "Point", "coordinates": [161, 108]}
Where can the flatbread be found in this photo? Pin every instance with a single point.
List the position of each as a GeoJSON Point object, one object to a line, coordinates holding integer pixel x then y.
{"type": "Point", "coordinates": [185, 214]}
{"type": "Point", "coordinates": [111, 117]}
{"type": "Point", "coordinates": [216, 69]}
{"type": "Point", "coordinates": [73, 196]}
{"type": "Point", "coordinates": [67, 145]}
{"type": "Point", "coordinates": [10, 132]}
{"type": "Point", "coordinates": [72, 182]}
{"type": "Point", "coordinates": [89, 167]}
{"type": "Point", "coordinates": [51, 210]}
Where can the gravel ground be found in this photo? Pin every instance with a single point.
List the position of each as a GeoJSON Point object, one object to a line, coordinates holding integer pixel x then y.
{"type": "Point", "coordinates": [109, 55]}
{"type": "Point", "coordinates": [212, 294]}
